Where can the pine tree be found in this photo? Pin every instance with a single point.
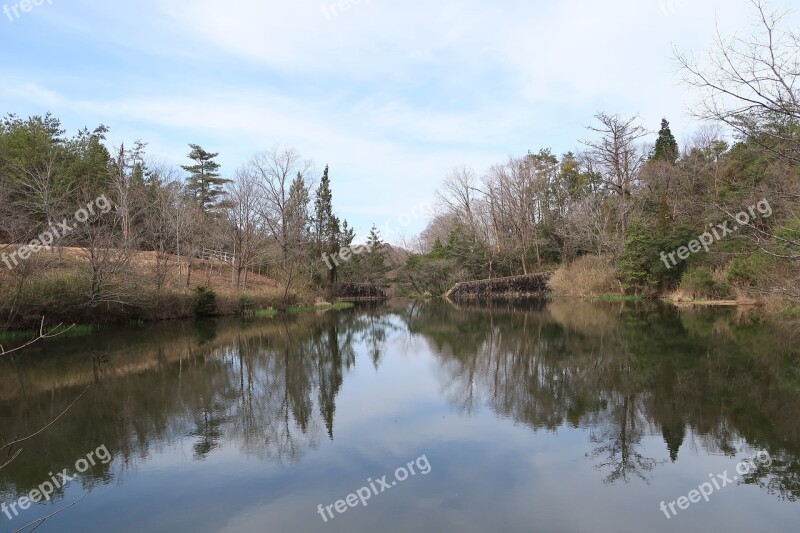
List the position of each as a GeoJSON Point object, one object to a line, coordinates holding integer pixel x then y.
{"type": "Point", "coordinates": [204, 181]}
{"type": "Point", "coordinates": [438, 251]}
{"type": "Point", "coordinates": [666, 146]}
{"type": "Point", "coordinates": [375, 267]}
{"type": "Point", "coordinates": [327, 230]}
{"type": "Point", "coordinates": [297, 216]}
{"type": "Point", "coordinates": [374, 242]}
{"type": "Point", "coordinates": [346, 235]}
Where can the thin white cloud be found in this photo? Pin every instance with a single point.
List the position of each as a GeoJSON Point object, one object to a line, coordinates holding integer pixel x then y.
{"type": "Point", "coordinates": [391, 94]}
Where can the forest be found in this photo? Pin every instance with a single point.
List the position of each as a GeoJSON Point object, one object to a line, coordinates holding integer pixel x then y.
{"type": "Point", "coordinates": [604, 217]}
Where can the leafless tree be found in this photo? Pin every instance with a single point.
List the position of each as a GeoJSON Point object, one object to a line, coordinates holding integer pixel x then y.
{"type": "Point", "coordinates": [459, 195]}
{"type": "Point", "coordinates": [160, 232]}
{"type": "Point", "coordinates": [244, 209]}
{"type": "Point", "coordinates": [617, 157]}
{"type": "Point", "coordinates": [128, 166]}
{"type": "Point", "coordinates": [750, 82]}
{"type": "Point", "coordinates": [516, 208]}
{"type": "Point", "coordinates": [277, 172]}
{"type": "Point", "coordinates": [37, 187]}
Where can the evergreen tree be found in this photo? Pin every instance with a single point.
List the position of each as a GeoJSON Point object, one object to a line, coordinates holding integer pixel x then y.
{"type": "Point", "coordinates": [438, 251]}
{"type": "Point", "coordinates": [638, 259]}
{"type": "Point", "coordinates": [346, 236]}
{"type": "Point", "coordinates": [297, 216]}
{"type": "Point", "coordinates": [666, 146]}
{"type": "Point", "coordinates": [204, 181]}
{"type": "Point", "coordinates": [375, 267]}
{"type": "Point", "coordinates": [327, 230]}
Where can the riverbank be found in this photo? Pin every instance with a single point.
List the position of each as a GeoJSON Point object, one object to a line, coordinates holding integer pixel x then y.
{"type": "Point", "coordinates": [62, 286]}
{"type": "Point", "coordinates": [594, 278]}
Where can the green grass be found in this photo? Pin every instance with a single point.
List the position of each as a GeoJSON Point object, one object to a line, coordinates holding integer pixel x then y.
{"type": "Point", "coordinates": [298, 309]}
{"type": "Point", "coordinates": [617, 298]}
{"type": "Point", "coordinates": [265, 313]}
{"type": "Point", "coordinates": [791, 311]}
{"type": "Point", "coordinates": [78, 330]}
{"type": "Point", "coordinates": [338, 306]}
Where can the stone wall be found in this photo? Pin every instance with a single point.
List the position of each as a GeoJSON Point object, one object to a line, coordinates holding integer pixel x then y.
{"type": "Point", "coordinates": [517, 286]}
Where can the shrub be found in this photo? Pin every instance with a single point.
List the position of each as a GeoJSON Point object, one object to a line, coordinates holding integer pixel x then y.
{"type": "Point", "coordinates": [702, 283]}
{"type": "Point", "coordinates": [205, 303]}
{"type": "Point", "coordinates": [642, 267]}
{"type": "Point", "coordinates": [589, 275]}
{"type": "Point", "coordinates": [747, 271]}
{"type": "Point", "coordinates": [246, 305]}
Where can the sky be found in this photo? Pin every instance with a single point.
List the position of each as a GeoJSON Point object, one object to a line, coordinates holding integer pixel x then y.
{"type": "Point", "coordinates": [391, 95]}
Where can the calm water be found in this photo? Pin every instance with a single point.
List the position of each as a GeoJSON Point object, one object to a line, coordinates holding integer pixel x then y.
{"type": "Point", "coordinates": [550, 417]}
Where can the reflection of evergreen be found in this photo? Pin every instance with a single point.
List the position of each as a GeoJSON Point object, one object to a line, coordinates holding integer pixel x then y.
{"type": "Point", "coordinates": [206, 331]}
{"type": "Point", "coordinates": [330, 373]}
{"type": "Point", "coordinates": [674, 437]}
{"type": "Point", "coordinates": [209, 433]}
{"type": "Point", "coordinates": [257, 386]}
{"type": "Point", "coordinates": [269, 387]}
{"type": "Point", "coordinates": [625, 372]}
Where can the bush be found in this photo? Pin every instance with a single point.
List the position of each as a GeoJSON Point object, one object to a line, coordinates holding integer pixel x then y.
{"type": "Point", "coordinates": [642, 267]}
{"type": "Point", "coordinates": [246, 305]}
{"type": "Point", "coordinates": [589, 275]}
{"type": "Point", "coordinates": [747, 271]}
{"type": "Point", "coordinates": [205, 303]}
{"type": "Point", "coordinates": [702, 283]}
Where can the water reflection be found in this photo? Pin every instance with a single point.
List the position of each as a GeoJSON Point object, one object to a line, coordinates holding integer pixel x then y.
{"type": "Point", "coordinates": [715, 382]}
{"type": "Point", "coordinates": [625, 372]}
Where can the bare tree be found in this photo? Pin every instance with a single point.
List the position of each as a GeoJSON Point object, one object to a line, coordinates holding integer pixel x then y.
{"type": "Point", "coordinates": [458, 195]}
{"type": "Point", "coordinates": [244, 209]}
{"type": "Point", "coordinates": [752, 85]}
{"type": "Point", "coordinates": [617, 157]}
{"type": "Point", "coordinates": [749, 82]}
{"type": "Point", "coordinates": [108, 252]}
{"type": "Point", "coordinates": [516, 205]}
{"type": "Point", "coordinates": [278, 172]}
{"type": "Point", "coordinates": [159, 229]}
{"type": "Point", "coordinates": [128, 166]}
{"type": "Point", "coordinates": [189, 221]}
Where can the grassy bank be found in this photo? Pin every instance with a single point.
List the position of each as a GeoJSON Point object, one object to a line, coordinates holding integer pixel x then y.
{"type": "Point", "coordinates": [56, 285]}
{"type": "Point", "coordinates": [598, 278]}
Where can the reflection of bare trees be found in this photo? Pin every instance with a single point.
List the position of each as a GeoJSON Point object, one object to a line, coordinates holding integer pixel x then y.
{"type": "Point", "coordinates": [781, 478]}
{"type": "Point", "coordinates": [625, 374]}
{"type": "Point", "coordinates": [619, 431]}
{"type": "Point", "coordinates": [267, 389]}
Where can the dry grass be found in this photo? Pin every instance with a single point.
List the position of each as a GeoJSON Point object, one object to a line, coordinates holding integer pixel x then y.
{"type": "Point", "coordinates": [211, 273]}
{"type": "Point", "coordinates": [588, 276]}
{"type": "Point", "coordinates": [59, 280]}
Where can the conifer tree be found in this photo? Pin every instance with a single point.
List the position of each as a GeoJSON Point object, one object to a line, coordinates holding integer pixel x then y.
{"type": "Point", "coordinates": [375, 267]}
{"type": "Point", "coordinates": [204, 181]}
{"type": "Point", "coordinates": [327, 229]}
{"type": "Point", "coordinates": [666, 146]}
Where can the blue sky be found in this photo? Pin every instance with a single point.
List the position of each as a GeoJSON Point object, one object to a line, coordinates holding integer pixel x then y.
{"type": "Point", "coordinates": [391, 94]}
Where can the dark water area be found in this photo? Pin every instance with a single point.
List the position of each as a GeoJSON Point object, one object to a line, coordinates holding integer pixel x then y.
{"type": "Point", "coordinates": [557, 416]}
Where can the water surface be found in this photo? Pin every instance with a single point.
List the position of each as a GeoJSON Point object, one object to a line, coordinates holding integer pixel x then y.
{"type": "Point", "coordinates": [543, 416]}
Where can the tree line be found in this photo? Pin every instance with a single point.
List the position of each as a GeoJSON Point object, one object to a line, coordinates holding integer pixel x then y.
{"type": "Point", "coordinates": [620, 201]}
{"type": "Point", "coordinates": [274, 215]}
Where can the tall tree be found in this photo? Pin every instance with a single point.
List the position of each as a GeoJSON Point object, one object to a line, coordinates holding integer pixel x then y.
{"type": "Point", "coordinates": [375, 267]}
{"type": "Point", "coordinates": [666, 148]}
{"type": "Point", "coordinates": [204, 180]}
{"type": "Point", "coordinates": [327, 229]}
{"type": "Point", "coordinates": [281, 174]}
{"type": "Point", "coordinates": [617, 156]}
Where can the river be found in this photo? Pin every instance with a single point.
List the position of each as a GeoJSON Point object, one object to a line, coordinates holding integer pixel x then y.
{"type": "Point", "coordinates": [559, 416]}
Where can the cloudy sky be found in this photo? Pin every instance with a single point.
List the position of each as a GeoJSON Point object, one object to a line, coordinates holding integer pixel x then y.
{"type": "Point", "coordinates": [391, 94]}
